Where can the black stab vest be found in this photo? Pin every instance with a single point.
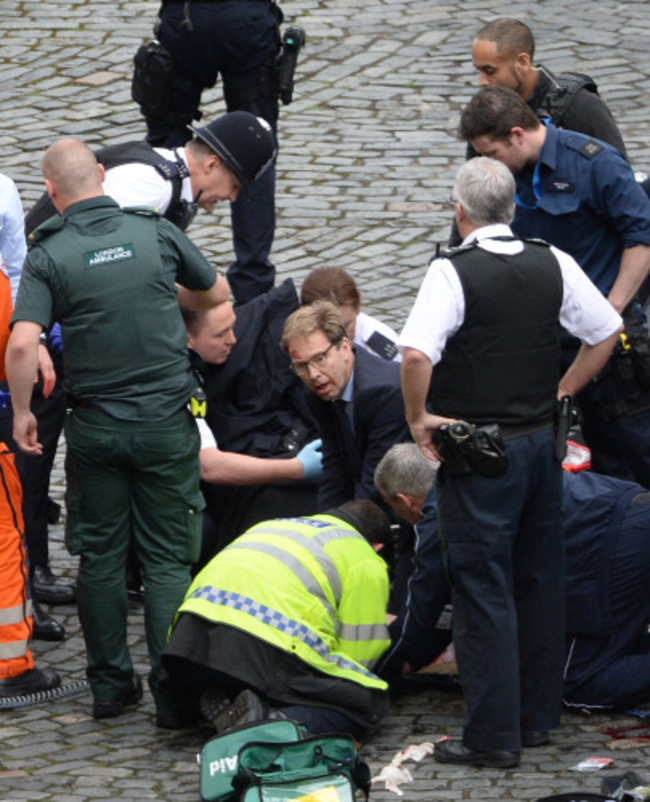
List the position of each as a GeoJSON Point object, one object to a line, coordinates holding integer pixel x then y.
{"type": "Point", "coordinates": [503, 364]}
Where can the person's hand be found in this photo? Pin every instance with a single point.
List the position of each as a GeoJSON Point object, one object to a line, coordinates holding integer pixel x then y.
{"type": "Point", "coordinates": [312, 460]}
{"type": "Point", "coordinates": [46, 369]}
{"type": "Point", "coordinates": [422, 431]}
{"type": "Point", "coordinates": [26, 435]}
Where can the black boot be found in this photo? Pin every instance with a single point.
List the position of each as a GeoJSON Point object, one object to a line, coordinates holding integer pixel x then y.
{"type": "Point", "coordinates": [45, 627]}
{"type": "Point", "coordinates": [50, 588]}
{"type": "Point", "coordinates": [36, 679]}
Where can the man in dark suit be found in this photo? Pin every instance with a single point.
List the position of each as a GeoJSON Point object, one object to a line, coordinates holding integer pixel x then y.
{"type": "Point", "coordinates": [356, 399]}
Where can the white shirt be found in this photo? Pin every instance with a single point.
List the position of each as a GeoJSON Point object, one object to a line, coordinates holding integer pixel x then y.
{"type": "Point", "coordinates": [205, 433]}
{"type": "Point", "coordinates": [439, 309]}
{"type": "Point", "coordinates": [138, 184]}
{"type": "Point", "coordinates": [13, 246]}
{"type": "Point", "coordinates": [365, 326]}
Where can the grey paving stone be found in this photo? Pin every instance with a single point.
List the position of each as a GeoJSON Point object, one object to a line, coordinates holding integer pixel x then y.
{"type": "Point", "coordinates": [368, 154]}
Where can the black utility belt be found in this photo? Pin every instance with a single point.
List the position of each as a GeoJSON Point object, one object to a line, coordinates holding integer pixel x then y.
{"type": "Point", "coordinates": [510, 431]}
{"type": "Point", "coordinates": [467, 448]}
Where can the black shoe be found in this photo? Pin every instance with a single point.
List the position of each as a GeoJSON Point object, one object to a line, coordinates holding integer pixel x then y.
{"type": "Point", "coordinates": [213, 702]}
{"type": "Point", "coordinates": [531, 738]}
{"type": "Point", "coordinates": [110, 708]}
{"type": "Point", "coordinates": [36, 679]}
{"type": "Point", "coordinates": [458, 753]}
{"type": "Point", "coordinates": [247, 708]}
{"type": "Point", "coordinates": [50, 588]}
{"type": "Point", "coordinates": [45, 627]}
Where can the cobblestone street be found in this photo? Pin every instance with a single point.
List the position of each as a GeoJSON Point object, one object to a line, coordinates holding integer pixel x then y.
{"type": "Point", "coordinates": [368, 151]}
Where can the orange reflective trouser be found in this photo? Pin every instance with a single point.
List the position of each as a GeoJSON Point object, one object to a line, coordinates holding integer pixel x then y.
{"type": "Point", "coordinates": [15, 607]}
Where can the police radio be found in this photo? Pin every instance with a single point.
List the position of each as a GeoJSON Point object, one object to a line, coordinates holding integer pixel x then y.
{"type": "Point", "coordinates": [293, 39]}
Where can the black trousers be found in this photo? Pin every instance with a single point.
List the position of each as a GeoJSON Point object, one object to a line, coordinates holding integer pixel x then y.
{"type": "Point", "coordinates": [202, 655]}
{"type": "Point", "coordinates": [35, 471]}
{"type": "Point", "coordinates": [504, 553]}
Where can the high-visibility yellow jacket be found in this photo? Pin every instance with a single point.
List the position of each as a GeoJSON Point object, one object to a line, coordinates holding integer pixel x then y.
{"type": "Point", "coordinates": [311, 586]}
{"type": "Point", "coordinates": [15, 607]}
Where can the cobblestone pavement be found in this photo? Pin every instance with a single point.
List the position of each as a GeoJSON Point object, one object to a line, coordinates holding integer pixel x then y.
{"type": "Point", "coordinates": [368, 152]}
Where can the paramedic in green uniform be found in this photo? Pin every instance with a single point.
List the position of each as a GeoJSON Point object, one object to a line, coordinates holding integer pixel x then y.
{"type": "Point", "coordinates": [112, 278]}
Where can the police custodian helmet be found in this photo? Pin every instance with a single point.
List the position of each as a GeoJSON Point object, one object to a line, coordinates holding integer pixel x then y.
{"type": "Point", "coordinates": [244, 142]}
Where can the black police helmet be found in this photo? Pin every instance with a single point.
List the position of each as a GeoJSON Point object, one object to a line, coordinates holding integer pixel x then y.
{"type": "Point", "coordinates": [244, 142]}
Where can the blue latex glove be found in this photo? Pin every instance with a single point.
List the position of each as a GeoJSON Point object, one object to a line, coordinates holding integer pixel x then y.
{"type": "Point", "coordinates": [312, 459]}
{"type": "Point", "coordinates": [55, 339]}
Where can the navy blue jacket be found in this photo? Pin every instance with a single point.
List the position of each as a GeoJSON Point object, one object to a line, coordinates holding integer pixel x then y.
{"type": "Point", "coordinates": [593, 509]}
{"type": "Point", "coordinates": [583, 197]}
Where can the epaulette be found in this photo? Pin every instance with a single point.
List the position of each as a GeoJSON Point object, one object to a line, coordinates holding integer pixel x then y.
{"type": "Point", "coordinates": [170, 170]}
{"type": "Point", "coordinates": [588, 148]}
{"type": "Point", "coordinates": [143, 211]}
{"type": "Point", "coordinates": [45, 229]}
{"type": "Point", "coordinates": [447, 253]}
{"type": "Point", "coordinates": [537, 241]}
{"type": "Point", "coordinates": [591, 148]}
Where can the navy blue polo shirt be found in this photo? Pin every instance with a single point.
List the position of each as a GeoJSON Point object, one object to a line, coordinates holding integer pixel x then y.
{"type": "Point", "coordinates": [583, 197]}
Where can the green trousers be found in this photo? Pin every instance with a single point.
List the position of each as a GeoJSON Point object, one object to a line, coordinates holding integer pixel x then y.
{"type": "Point", "coordinates": [130, 481]}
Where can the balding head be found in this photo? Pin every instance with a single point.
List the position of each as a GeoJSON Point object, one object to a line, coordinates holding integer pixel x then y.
{"type": "Point", "coordinates": [71, 173]}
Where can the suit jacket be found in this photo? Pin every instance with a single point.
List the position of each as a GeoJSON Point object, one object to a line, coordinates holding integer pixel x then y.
{"type": "Point", "coordinates": [350, 457]}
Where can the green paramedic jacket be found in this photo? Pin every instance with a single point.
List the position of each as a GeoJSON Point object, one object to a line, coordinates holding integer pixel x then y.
{"type": "Point", "coordinates": [311, 586]}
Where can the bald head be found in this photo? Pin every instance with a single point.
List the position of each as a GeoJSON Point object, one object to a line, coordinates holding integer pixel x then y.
{"type": "Point", "coordinates": [71, 173]}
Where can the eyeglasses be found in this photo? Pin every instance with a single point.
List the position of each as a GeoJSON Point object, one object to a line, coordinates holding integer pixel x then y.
{"type": "Point", "coordinates": [318, 361]}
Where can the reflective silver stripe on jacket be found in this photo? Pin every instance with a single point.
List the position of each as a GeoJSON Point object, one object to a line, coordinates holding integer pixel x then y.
{"type": "Point", "coordinates": [315, 544]}
{"type": "Point", "coordinates": [275, 619]}
{"type": "Point", "coordinates": [363, 632]}
{"type": "Point", "coordinates": [17, 648]}
{"type": "Point", "coordinates": [299, 570]}
{"type": "Point", "coordinates": [14, 615]}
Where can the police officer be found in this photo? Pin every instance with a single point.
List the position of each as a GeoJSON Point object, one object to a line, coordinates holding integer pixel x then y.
{"type": "Point", "coordinates": [238, 39]}
{"type": "Point", "coordinates": [606, 523]}
{"type": "Point", "coordinates": [112, 279]}
{"type": "Point", "coordinates": [489, 318]}
{"type": "Point", "coordinates": [260, 455]}
{"type": "Point", "coordinates": [337, 286]}
{"type": "Point", "coordinates": [503, 54]}
{"type": "Point", "coordinates": [304, 642]}
{"type": "Point", "coordinates": [581, 195]}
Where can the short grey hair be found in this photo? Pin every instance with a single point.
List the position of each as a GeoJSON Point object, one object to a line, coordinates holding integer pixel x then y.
{"type": "Point", "coordinates": [485, 188]}
{"type": "Point", "coordinates": [405, 469]}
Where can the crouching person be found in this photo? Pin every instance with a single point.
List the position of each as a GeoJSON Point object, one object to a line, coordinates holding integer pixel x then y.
{"type": "Point", "coordinates": [287, 621]}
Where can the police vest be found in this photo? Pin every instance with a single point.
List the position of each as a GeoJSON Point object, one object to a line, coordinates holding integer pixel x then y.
{"type": "Point", "coordinates": [503, 364]}
{"type": "Point", "coordinates": [561, 91]}
{"type": "Point", "coordinates": [312, 587]}
{"type": "Point", "coordinates": [138, 152]}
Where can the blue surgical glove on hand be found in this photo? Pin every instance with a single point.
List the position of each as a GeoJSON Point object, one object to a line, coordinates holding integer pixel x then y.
{"type": "Point", "coordinates": [55, 339]}
{"type": "Point", "coordinates": [312, 459]}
